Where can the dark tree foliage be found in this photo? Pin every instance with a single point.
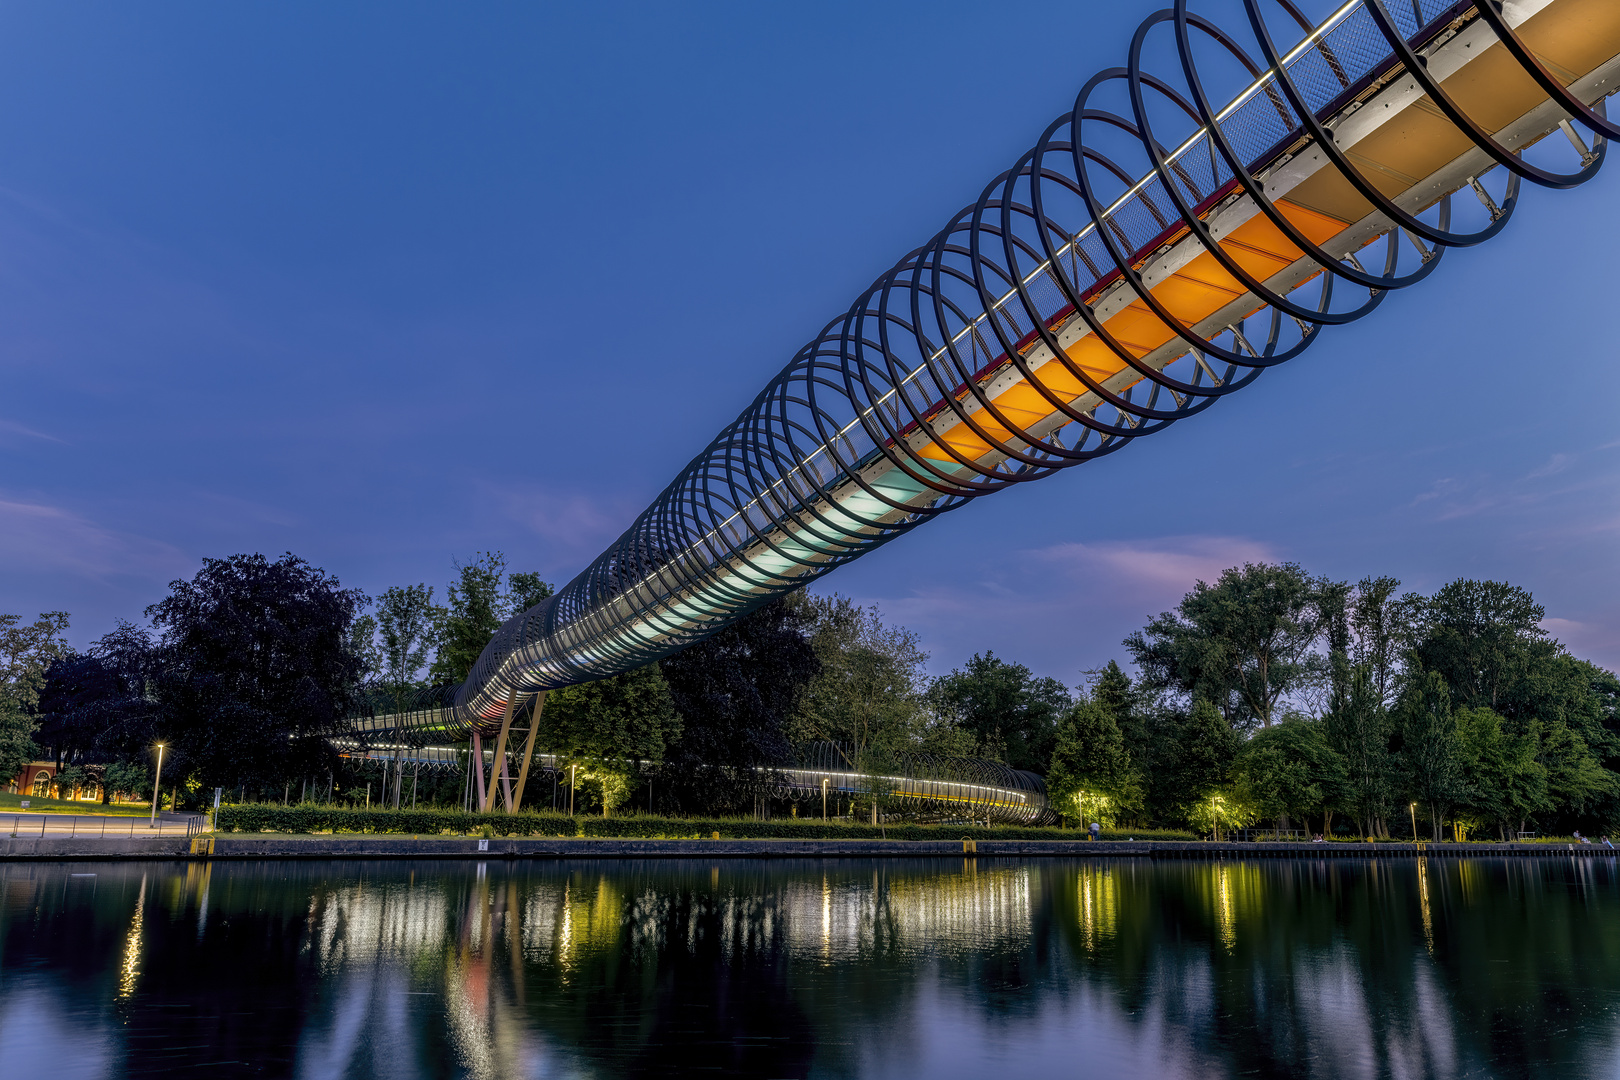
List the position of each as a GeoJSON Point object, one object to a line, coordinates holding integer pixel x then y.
{"type": "Point", "coordinates": [736, 693]}
{"type": "Point", "coordinates": [628, 718]}
{"type": "Point", "coordinates": [95, 705]}
{"type": "Point", "coordinates": [1360, 731]}
{"type": "Point", "coordinates": [1290, 772]}
{"type": "Point", "coordinates": [1430, 751]}
{"type": "Point", "coordinates": [475, 608]}
{"type": "Point", "coordinates": [1113, 693]}
{"type": "Point", "coordinates": [254, 669]}
{"type": "Point", "coordinates": [1480, 636]}
{"type": "Point", "coordinates": [526, 590]}
{"type": "Point", "coordinates": [1012, 715]}
{"type": "Point", "coordinates": [1241, 643]}
{"type": "Point", "coordinates": [1366, 626]}
{"type": "Point", "coordinates": [1090, 757]}
{"type": "Point", "coordinates": [1205, 750]}
{"type": "Point", "coordinates": [482, 597]}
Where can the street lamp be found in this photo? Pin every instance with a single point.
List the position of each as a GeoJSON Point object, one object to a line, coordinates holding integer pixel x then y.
{"type": "Point", "coordinates": [825, 781]}
{"type": "Point", "coordinates": [1414, 823]}
{"type": "Point", "coordinates": [157, 784]}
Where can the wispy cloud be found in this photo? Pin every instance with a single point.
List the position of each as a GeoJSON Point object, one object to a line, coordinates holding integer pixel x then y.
{"type": "Point", "coordinates": [1596, 641]}
{"type": "Point", "coordinates": [40, 538]}
{"type": "Point", "coordinates": [568, 522]}
{"type": "Point", "coordinates": [1557, 463]}
{"type": "Point", "coordinates": [1063, 608]}
{"type": "Point", "coordinates": [11, 427]}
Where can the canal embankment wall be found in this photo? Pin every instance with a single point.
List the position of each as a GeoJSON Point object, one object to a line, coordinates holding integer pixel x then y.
{"type": "Point", "coordinates": [66, 848]}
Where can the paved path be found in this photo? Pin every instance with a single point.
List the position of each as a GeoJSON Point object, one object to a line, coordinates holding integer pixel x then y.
{"type": "Point", "coordinates": [26, 823]}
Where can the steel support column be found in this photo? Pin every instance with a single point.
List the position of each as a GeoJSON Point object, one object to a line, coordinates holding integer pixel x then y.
{"type": "Point", "coordinates": [498, 767]}
{"type": "Point", "coordinates": [528, 748]}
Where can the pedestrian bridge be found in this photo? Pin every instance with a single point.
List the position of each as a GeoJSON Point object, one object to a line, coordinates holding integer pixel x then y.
{"type": "Point", "coordinates": [933, 785]}
{"type": "Point", "coordinates": [1163, 242]}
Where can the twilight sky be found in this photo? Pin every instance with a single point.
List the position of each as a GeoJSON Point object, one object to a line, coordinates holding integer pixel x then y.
{"type": "Point", "coordinates": [385, 285]}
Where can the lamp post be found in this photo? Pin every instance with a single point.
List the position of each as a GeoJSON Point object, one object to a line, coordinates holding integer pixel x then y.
{"type": "Point", "coordinates": [1414, 823]}
{"type": "Point", "coordinates": [825, 781]}
{"type": "Point", "coordinates": [572, 782]}
{"type": "Point", "coordinates": [157, 784]}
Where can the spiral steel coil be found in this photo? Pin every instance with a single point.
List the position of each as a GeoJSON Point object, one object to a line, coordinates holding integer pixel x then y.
{"type": "Point", "coordinates": [930, 786]}
{"type": "Point", "coordinates": [1151, 254]}
{"type": "Point", "coordinates": [926, 785]}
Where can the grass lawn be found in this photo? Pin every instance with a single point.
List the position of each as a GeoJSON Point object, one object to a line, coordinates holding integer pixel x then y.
{"type": "Point", "coordinates": [10, 802]}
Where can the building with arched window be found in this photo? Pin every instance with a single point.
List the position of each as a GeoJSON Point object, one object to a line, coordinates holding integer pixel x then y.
{"type": "Point", "coordinates": [34, 781]}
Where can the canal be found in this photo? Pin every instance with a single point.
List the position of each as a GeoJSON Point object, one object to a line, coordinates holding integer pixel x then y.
{"type": "Point", "coordinates": [982, 968]}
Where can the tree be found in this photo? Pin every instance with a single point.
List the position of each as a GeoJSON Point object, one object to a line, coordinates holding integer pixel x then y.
{"type": "Point", "coordinates": [405, 619]}
{"type": "Point", "coordinates": [363, 646]}
{"type": "Point", "coordinates": [737, 692]}
{"type": "Point", "coordinates": [1381, 629]}
{"type": "Point", "coordinates": [866, 697]}
{"type": "Point", "coordinates": [71, 705]}
{"type": "Point", "coordinates": [482, 597]}
{"type": "Point", "coordinates": [615, 727]}
{"type": "Point", "coordinates": [70, 780]}
{"type": "Point", "coordinates": [1476, 634]}
{"type": "Point", "coordinates": [1366, 626]}
{"type": "Point", "coordinates": [1201, 762]}
{"type": "Point", "coordinates": [1112, 693]}
{"type": "Point", "coordinates": [1289, 770]}
{"type": "Point", "coordinates": [1576, 781]}
{"type": "Point", "coordinates": [476, 607]}
{"type": "Point", "coordinates": [1091, 757]}
{"type": "Point", "coordinates": [1429, 747]}
{"type": "Point", "coordinates": [1243, 643]}
{"type": "Point", "coordinates": [129, 779]}
{"type": "Point", "coordinates": [524, 591]}
{"type": "Point", "coordinates": [95, 706]}
{"type": "Point", "coordinates": [254, 669]}
{"type": "Point", "coordinates": [1503, 784]}
{"type": "Point", "coordinates": [26, 653]}
{"type": "Point", "coordinates": [1360, 730]}
{"type": "Point", "coordinates": [1012, 714]}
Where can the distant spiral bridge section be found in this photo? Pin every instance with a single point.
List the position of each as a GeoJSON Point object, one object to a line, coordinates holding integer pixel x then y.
{"type": "Point", "coordinates": [1187, 224]}
{"type": "Point", "coordinates": [918, 785]}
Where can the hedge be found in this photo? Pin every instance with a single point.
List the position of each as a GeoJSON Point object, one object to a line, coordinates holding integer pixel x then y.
{"type": "Point", "coordinates": [308, 818]}
{"type": "Point", "coordinates": [313, 818]}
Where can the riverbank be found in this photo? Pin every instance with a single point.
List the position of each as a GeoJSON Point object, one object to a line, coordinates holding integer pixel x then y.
{"type": "Point", "coordinates": [238, 847]}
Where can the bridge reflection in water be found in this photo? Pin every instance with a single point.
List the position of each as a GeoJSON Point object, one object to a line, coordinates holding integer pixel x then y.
{"type": "Point", "coordinates": [867, 968]}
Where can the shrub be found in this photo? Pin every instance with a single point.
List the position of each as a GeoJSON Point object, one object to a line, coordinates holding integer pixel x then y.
{"type": "Point", "coordinates": [315, 818]}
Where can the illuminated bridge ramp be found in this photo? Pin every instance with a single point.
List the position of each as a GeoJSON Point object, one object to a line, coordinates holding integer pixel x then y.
{"type": "Point", "coordinates": [933, 786]}
{"type": "Point", "coordinates": [1164, 241]}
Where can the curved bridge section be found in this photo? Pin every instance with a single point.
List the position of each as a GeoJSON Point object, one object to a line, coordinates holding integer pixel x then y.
{"type": "Point", "coordinates": [1165, 241]}
{"type": "Point", "coordinates": [927, 785]}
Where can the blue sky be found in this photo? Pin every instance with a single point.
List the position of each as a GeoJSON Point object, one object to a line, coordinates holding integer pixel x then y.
{"type": "Point", "coordinates": [385, 285]}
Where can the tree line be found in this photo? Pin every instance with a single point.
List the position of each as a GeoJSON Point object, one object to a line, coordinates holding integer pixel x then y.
{"type": "Point", "coordinates": [1267, 697]}
{"type": "Point", "coordinates": [1275, 697]}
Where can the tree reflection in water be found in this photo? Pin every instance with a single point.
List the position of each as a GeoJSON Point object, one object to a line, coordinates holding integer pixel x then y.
{"type": "Point", "coordinates": [858, 968]}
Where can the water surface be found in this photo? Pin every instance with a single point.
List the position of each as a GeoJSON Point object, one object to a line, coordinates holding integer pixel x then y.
{"type": "Point", "coordinates": [986, 968]}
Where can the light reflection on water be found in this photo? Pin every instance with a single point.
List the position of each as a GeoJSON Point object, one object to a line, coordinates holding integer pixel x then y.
{"type": "Point", "coordinates": [846, 968]}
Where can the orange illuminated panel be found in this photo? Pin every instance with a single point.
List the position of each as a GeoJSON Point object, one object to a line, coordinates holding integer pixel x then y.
{"type": "Point", "coordinates": [1191, 294]}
